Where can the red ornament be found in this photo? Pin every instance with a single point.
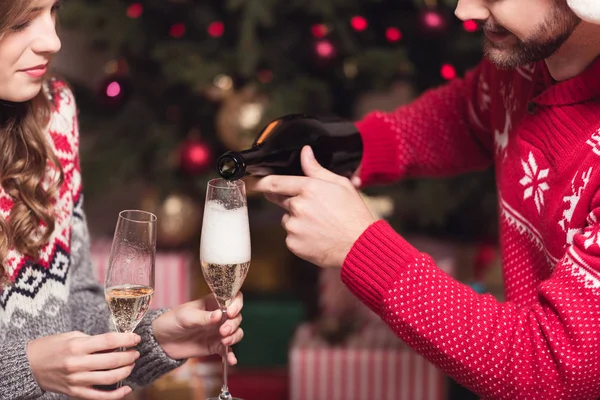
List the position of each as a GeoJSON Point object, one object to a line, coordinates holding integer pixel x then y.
{"type": "Point", "coordinates": [265, 76]}
{"type": "Point", "coordinates": [195, 156]}
{"type": "Point", "coordinates": [448, 72]}
{"type": "Point", "coordinates": [114, 91]}
{"type": "Point", "coordinates": [433, 20]}
{"type": "Point", "coordinates": [393, 34]}
{"type": "Point", "coordinates": [325, 49]}
{"type": "Point", "coordinates": [216, 29]}
{"type": "Point", "coordinates": [177, 30]}
{"type": "Point", "coordinates": [359, 23]}
{"type": "Point", "coordinates": [135, 10]}
{"type": "Point", "coordinates": [319, 30]}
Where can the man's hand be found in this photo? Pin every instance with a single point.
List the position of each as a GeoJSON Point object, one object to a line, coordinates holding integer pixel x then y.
{"type": "Point", "coordinates": [325, 214]}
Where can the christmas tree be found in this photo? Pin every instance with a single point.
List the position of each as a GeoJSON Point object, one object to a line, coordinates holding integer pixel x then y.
{"type": "Point", "coordinates": [191, 79]}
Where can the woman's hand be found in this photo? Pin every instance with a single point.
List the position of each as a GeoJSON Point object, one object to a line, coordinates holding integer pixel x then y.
{"type": "Point", "coordinates": [194, 329]}
{"type": "Point", "coordinates": [72, 363]}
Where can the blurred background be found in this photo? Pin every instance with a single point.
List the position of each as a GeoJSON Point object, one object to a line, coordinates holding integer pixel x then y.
{"type": "Point", "coordinates": [165, 86]}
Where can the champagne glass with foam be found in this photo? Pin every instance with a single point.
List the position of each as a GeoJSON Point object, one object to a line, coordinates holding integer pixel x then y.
{"type": "Point", "coordinates": [225, 248]}
{"type": "Point", "coordinates": [129, 283]}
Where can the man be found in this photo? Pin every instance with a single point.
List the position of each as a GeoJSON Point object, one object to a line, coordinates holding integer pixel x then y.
{"type": "Point", "coordinates": [532, 108]}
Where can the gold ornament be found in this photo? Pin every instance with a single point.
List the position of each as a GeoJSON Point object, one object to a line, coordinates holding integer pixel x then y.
{"type": "Point", "coordinates": [111, 67]}
{"type": "Point", "coordinates": [179, 218]}
{"type": "Point", "coordinates": [220, 89]}
{"type": "Point", "coordinates": [350, 68]}
{"type": "Point", "coordinates": [239, 118]}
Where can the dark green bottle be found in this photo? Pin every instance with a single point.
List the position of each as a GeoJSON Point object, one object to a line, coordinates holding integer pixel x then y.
{"type": "Point", "coordinates": [336, 143]}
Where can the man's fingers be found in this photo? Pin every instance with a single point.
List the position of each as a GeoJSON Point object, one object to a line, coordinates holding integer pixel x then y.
{"type": "Point", "coordinates": [279, 184]}
{"type": "Point", "coordinates": [355, 179]}
{"type": "Point", "coordinates": [278, 199]}
{"type": "Point", "coordinates": [284, 220]}
{"type": "Point", "coordinates": [250, 181]}
{"type": "Point", "coordinates": [313, 169]}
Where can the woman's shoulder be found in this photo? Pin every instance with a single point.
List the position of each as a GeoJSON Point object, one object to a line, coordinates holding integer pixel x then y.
{"type": "Point", "coordinates": [60, 96]}
{"type": "Point", "coordinates": [63, 126]}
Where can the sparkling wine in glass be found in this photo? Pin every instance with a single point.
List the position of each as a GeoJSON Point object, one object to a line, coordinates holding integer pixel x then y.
{"type": "Point", "coordinates": [129, 283]}
{"type": "Point", "coordinates": [225, 249]}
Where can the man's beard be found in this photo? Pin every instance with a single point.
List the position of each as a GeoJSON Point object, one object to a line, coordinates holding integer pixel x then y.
{"type": "Point", "coordinates": [547, 39]}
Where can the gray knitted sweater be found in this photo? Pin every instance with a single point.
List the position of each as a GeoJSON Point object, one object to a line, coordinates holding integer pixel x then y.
{"type": "Point", "coordinates": [58, 293]}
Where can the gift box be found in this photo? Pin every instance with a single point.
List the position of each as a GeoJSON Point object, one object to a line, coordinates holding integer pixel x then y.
{"type": "Point", "coordinates": [259, 383]}
{"type": "Point", "coordinates": [373, 364]}
{"type": "Point", "coordinates": [269, 325]}
{"type": "Point", "coordinates": [172, 273]}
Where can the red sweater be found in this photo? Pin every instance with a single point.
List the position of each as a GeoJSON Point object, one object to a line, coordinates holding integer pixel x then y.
{"type": "Point", "coordinates": [544, 138]}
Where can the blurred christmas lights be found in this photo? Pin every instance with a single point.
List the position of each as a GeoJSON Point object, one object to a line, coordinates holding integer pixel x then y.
{"type": "Point", "coordinates": [448, 72]}
{"type": "Point", "coordinates": [359, 23]}
{"type": "Point", "coordinates": [216, 29]}
{"type": "Point", "coordinates": [135, 10]}
{"type": "Point", "coordinates": [177, 30]}
{"type": "Point", "coordinates": [393, 34]}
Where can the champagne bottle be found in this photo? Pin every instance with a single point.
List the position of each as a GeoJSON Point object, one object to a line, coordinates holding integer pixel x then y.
{"type": "Point", "coordinates": [336, 143]}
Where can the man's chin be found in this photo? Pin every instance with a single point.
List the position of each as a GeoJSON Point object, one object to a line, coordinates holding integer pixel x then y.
{"type": "Point", "coordinates": [504, 58]}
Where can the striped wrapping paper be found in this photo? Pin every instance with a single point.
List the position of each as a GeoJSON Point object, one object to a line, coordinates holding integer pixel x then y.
{"type": "Point", "coordinates": [373, 365]}
{"type": "Point", "coordinates": [172, 275]}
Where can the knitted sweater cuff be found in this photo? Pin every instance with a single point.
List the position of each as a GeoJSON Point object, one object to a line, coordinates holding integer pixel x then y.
{"type": "Point", "coordinates": [374, 261]}
{"type": "Point", "coordinates": [16, 378]}
{"type": "Point", "coordinates": [381, 162]}
{"type": "Point", "coordinates": [153, 361]}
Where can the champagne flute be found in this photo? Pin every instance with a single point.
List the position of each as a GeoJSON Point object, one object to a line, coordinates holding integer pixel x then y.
{"type": "Point", "coordinates": [225, 249]}
{"type": "Point", "coordinates": [129, 283]}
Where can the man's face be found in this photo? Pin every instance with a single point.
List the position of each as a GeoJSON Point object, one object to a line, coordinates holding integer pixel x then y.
{"type": "Point", "coordinates": [519, 32]}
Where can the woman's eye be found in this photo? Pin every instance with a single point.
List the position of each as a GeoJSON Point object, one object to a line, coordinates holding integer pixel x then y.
{"type": "Point", "coordinates": [20, 27]}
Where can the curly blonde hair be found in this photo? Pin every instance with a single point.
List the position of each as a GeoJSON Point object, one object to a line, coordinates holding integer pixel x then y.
{"type": "Point", "coordinates": [26, 158]}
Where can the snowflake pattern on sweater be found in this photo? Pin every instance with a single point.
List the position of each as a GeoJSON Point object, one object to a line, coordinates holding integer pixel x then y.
{"type": "Point", "coordinates": [542, 136]}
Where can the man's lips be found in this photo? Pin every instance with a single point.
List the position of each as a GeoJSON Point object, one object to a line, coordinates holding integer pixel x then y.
{"type": "Point", "coordinates": [496, 35]}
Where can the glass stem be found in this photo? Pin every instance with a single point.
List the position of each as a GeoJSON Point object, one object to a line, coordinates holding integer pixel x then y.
{"type": "Point", "coordinates": [120, 383]}
{"type": "Point", "coordinates": [225, 395]}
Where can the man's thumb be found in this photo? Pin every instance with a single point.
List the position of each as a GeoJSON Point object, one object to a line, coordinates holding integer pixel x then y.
{"type": "Point", "coordinates": [313, 169]}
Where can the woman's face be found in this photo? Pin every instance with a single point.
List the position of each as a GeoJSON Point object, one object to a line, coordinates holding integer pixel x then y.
{"type": "Point", "coordinates": [26, 48]}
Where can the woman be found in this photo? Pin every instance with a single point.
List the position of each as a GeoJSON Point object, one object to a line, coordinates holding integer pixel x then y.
{"type": "Point", "coordinates": [54, 339]}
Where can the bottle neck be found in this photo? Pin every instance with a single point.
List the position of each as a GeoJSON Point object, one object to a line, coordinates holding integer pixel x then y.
{"type": "Point", "coordinates": [233, 164]}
